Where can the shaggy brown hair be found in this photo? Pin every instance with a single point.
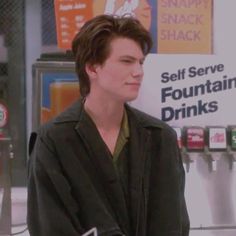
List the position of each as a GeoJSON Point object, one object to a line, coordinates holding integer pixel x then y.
{"type": "Point", "coordinates": [91, 45]}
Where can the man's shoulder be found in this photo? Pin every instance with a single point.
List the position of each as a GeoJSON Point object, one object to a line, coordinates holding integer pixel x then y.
{"type": "Point", "coordinates": [147, 120]}
{"type": "Point", "coordinates": [61, 123]}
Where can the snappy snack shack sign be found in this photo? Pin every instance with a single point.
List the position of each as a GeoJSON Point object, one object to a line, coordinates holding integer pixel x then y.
{"type": "Point", "coordinates": [184, 26]}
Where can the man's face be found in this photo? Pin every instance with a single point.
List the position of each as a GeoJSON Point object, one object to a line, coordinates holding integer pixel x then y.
{"type": "Point", "coordinates": [120, 76]}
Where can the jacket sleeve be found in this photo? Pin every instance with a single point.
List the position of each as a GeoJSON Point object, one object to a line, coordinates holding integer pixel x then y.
{"type": "Point", "coordinates": [167, 212]}
{"type": "Point", "coordinates": [51, 208]}
{"type": "Point", "coordinates": [185, 217]}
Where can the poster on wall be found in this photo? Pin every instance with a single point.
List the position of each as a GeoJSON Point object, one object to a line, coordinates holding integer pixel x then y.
{"type": "Point", "coordinates": [185, 26]}
{"type": "Point", "coordinates": [72, 14]}
{"type": "Point", "coordinates": [70, 17]}
{"type": "Point", "coordinates": [176, 26]}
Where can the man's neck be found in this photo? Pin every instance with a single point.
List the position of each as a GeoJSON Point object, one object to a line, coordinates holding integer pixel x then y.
{"type": "Point", "coordinates": [106, 115]}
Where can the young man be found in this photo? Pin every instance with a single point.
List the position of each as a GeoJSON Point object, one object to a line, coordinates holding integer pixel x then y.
{"type": "Point", "coordinates": [102, 163]}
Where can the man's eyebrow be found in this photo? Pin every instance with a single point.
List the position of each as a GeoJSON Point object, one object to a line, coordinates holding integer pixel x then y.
{"type": "Point", "coordinates": [132, 57]}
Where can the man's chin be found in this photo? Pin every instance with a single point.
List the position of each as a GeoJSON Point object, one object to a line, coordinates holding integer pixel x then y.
{"type": "Point", "coordinates": [130, 99]}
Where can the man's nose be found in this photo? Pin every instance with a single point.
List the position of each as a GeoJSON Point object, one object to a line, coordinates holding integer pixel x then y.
{"type": "Point", "coordinates": [138, 71]}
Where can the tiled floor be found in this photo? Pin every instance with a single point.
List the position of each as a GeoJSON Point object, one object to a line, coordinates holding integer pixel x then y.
{"type": "Point", "coordinates": [19, 197]}
{"type": "Point", "coordinates": [18, 213]}
{"type": "Point", "coordinates": [21, 231]}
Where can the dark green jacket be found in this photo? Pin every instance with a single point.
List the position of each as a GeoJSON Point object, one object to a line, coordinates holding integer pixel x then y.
{"type": "Point", "coordinates": [73, 186]}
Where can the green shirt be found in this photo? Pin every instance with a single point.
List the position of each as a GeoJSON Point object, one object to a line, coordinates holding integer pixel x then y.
{"type": "Point", "coordinates": [122, 137]}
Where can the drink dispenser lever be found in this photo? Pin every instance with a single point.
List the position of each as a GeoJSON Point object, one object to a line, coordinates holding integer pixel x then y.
{"type": "Point", "coordinates": [187, 161]}
{"type": "Point", "coordinates": [232, 157]}
{"type": "Point", "coordinates": [232, 146]}
{"type": "Point", "coordinates": [179, 137]}
{"type": "Point", "coordinates": [213, 158]}
{"type": "Point", "coordinates": [234, 162]}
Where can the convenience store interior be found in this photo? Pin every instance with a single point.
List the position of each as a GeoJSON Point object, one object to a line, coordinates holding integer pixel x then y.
{"type": "Point", "coordinates": [27, 33]}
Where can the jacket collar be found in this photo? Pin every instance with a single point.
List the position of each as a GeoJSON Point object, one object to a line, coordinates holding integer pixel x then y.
{"type": "Point", "coordinates": [138, 161]}
{"type": "Point", "coordinates": [75, 112]}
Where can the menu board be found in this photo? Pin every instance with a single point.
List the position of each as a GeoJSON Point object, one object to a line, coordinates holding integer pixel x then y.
{"type": "Point", "coordinates": [70, 17]}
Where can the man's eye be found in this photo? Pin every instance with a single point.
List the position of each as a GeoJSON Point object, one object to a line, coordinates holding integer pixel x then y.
{"type": "Point", "coordinates": [127, 61]}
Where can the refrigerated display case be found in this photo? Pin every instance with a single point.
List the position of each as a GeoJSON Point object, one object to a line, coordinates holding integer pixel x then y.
{"type": "Point", "coordinates": [55, 87]}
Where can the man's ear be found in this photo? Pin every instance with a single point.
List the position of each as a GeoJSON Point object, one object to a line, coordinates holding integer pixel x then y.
{"type": "Point", "coordinates": [91, 70]}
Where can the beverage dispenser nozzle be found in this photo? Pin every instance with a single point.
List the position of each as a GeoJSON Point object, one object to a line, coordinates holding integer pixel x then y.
{"type": "Point", "coordinates": [231, 148]}
{"type": "Point", "coordinates": [234, 162]}
{"type": "Point", "coordinates": [179, 136]}
{"type": "Point", "coordinates": [213, 158]}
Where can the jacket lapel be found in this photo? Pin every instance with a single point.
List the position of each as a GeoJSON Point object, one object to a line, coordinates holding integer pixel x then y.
{"type": "Point", "coordinates": [139, 164]}
{"type": "Point", "coordinates": [101, 158]}
{"type": "Point", "coordinates": [139, 172]}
